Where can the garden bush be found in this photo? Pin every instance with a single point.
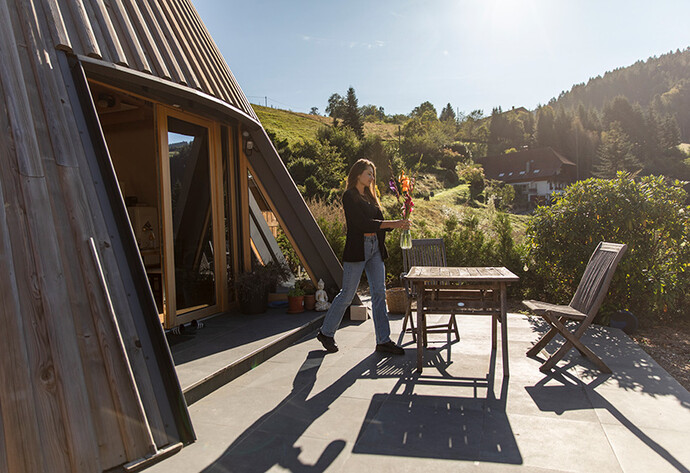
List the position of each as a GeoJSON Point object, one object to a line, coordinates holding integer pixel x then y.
{"type": "Point", "coordinates": [648, 214]}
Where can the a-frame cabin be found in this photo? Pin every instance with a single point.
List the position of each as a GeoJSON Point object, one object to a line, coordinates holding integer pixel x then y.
{"type": "Point", "coordinates": [116, 111]}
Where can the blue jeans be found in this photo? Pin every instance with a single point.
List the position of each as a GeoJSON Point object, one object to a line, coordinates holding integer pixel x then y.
{"type": "Point", "coordinates": [376, 275]}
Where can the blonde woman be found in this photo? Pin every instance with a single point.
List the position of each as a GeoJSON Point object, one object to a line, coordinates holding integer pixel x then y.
{"type": "Point", "coordinates": [365, 250]}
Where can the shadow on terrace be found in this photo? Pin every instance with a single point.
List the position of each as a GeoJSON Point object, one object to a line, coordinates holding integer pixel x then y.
{"type": "Point", "coordinates": [399, 423]}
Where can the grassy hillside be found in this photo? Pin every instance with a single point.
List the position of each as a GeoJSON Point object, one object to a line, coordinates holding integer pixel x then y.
{"type": "Point", "coordinates": [295, 127]}
{"type": "Point", "coordinates": [291, 126]}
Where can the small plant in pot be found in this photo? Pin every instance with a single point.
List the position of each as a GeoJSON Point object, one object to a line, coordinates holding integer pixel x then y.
{"type": "Point", "coordinates": [252, 290]}
{"type": "Point", "coordinates": [279, 272]}
{"type": "Point", "coordinates": [295, 299]}
{"type": "Point", "coordinates": [309, 295]}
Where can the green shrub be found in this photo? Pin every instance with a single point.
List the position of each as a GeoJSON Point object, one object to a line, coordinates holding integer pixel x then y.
{"type": "Point", "coordinates": [301, 168]}
{"type": "Point", "coordinates": [474, 176]}
{"type": "Point", "coordinates": [648, 215]}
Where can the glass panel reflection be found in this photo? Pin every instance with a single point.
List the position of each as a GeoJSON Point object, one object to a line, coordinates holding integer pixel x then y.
{"type": "Point", "coordinates": [190, 185]}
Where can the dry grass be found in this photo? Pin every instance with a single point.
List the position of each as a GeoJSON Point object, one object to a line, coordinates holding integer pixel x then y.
{"type": "Point", "coordinates": [387, 131]}
{"type": "Point", "coordinates": [328, 211]}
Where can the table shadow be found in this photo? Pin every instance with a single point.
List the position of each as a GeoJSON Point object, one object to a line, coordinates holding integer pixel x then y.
{"type": "Point", "coordinates": [472, 427]}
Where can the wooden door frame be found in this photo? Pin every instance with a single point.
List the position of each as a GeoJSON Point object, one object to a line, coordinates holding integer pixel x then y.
{"type": "Point", "coordinates": [171, 317]}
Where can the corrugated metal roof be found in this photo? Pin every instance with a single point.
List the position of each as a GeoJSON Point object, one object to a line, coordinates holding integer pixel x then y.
{"type": "Point", "coordinates": [165, 38]}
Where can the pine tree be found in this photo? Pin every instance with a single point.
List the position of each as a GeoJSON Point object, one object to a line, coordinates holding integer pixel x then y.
{"type": "Point", "coordinates": [447, 114]}
{"type": "Point", "coordinates": [352, 116]}
{"type": "Point", "coordinates": [546, 133]}
{"type": "Point", "coordinates": [615, 153]}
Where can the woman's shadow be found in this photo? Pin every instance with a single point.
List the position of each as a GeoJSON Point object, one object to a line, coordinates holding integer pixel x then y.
{"type": "Point", "coordinates": [271, 439]}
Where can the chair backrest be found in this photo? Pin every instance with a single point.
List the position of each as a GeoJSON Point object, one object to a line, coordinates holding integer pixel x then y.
{"type": "Point", "coordinates": [595, 281]}
{"type": "Point", "coordinates": [425, 252]}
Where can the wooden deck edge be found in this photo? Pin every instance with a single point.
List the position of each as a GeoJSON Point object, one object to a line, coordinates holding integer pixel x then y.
{"type": "Point", "coordinates": [223, 376]}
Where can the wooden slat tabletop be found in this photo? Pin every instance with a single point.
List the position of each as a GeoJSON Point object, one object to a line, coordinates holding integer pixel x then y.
{"type": "Point", "coordinates": [460, 274]}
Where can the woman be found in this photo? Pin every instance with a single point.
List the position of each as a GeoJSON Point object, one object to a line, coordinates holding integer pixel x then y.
{"type": "Point", "coordinates": [364, 250]}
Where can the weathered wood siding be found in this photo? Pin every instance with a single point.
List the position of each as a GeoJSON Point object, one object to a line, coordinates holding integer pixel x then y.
{"type": "Point", "coordinates": [82, 388]}
{"type": "Point", "coordinates": [76, 389]}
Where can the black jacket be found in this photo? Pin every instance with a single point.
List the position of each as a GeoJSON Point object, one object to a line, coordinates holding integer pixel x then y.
{"type": "Point", "coordinates": [361, 217]}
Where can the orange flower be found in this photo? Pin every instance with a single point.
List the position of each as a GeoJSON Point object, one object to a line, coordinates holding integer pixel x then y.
{"type": "Point", "coordinates": [405, 182]}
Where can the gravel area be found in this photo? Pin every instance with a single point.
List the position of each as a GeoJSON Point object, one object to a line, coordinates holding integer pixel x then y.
{"type": "Point", "coordinates": [669, 345]}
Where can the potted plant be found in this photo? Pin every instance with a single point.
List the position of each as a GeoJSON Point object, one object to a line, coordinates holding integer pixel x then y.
{"type": "Point", "coordinates": [309, 295]}
{"type": "Point", "coordinates": [295, 299]}
{"type": "Point", "coordinates": [279, 272]}
{"type": "Point", "coordinates": [252, 290]}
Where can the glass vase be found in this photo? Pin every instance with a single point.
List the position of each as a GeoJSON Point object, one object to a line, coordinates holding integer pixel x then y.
{"type": "Point", "coordinates": [405, 240]}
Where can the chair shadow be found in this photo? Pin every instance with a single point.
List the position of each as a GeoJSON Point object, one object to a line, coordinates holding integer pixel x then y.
{"type": "Point", "coordinates": [633, 368]}
{"type": "Point", "coordinates": [560, 398]}
{"type": "Point", "coordinates": [400, 423]}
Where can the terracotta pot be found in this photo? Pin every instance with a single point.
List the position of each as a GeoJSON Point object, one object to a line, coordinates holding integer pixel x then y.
{"type": "Point", "coordinates": [309, 301]}
{"type": "Point", "coordinates": [295, 304]}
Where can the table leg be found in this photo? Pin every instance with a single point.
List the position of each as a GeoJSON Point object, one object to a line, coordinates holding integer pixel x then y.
{"type": "Point", "coordinates": [504, 328]}
{"type": "Point", "coordinates": [420, 326]}
{"type": "Point", "coordinates": [494, 318]}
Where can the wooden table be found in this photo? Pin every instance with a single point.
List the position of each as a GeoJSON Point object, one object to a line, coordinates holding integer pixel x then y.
{"type": "Point", "coordinates": [464, 290]}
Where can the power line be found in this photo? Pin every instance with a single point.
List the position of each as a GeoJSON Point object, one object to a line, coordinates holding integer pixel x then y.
{"type": "Point", "coordinates": [266, 100]}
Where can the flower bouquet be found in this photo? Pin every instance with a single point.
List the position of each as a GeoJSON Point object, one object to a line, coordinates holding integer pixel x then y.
{"type": "Point", "coordinates": [403, 191]}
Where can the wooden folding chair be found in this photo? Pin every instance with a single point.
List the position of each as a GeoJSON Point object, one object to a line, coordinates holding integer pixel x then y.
{"type": "Point", "coordinates": [583, 307]}
{"type": "Point", "coordinates": [424, 252]}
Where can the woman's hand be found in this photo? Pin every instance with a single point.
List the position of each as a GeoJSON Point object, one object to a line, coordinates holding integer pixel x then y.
{"type": "Point", "coordinates": [404, 224]}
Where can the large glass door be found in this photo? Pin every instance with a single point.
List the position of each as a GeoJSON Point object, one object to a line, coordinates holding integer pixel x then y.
{"type": "Point", "coordinates": [191, 188]}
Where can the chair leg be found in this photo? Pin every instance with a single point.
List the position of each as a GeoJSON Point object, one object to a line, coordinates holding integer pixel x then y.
{"type": "Point", "coordinates": [544, 340]}
{"type": "Point", "coordinates": [409, 318]}
{"type": "Point", "coordinates": [572, 340]}
{"type": "Point", "coordinates": [453, 326]}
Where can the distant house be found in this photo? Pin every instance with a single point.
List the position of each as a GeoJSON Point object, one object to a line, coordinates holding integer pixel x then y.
{"type": "Point", "coordinates": [535, 174]}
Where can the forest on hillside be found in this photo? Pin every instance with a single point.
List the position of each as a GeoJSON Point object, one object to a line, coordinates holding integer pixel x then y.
{"type": "Point", "coordinates": [631, 119]}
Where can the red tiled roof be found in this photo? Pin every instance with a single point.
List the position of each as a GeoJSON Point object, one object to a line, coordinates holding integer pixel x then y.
{"type": "Point", "coordinates": [529, 165]}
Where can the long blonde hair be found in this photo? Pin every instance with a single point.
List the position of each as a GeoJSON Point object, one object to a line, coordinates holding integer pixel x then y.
{"type": "Point", "coordinates": [355, 171]}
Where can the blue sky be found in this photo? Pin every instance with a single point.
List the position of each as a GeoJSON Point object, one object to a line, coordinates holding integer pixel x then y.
{"type": "Point", "coordinates": [474, 54]}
